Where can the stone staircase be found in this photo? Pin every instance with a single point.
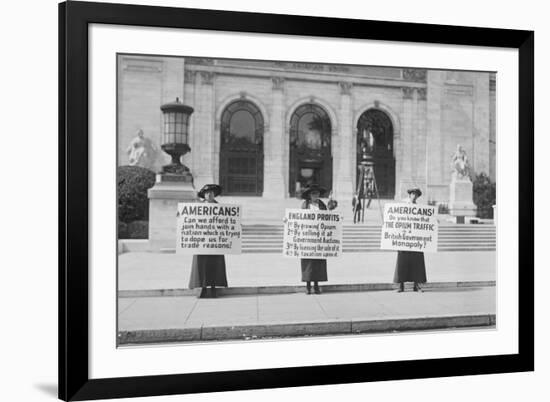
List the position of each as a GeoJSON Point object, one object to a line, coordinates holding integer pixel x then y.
{"type": "Point", "coordinates": [268, 238]}
{"type": "Point", "coordinates": [259, 210]}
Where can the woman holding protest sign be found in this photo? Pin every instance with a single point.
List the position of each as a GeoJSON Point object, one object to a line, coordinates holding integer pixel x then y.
{"type": "Point", "coordinates": [314, 270]}
{"type": "Point", "coordinates": [208, 270]}
{"type": "Point", "coordinates": [410, 266]}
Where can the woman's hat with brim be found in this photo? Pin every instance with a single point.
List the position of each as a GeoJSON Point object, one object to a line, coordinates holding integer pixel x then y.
{"type": "Point", "coordinates": [314, 187]}
{"type": "Point", "coordinates": [210, 187]}
{"type": "Point", "coordinates": [415, 190]}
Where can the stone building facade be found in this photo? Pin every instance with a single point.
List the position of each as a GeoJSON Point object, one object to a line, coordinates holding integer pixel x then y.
{"type": "Point", "coordinates": [266, 129]}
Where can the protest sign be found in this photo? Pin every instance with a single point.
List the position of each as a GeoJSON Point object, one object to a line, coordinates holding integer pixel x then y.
{"type": "Point", "coordinates": [208, 228]}
{"type": "Point", "coordinates": [409, 227]}
{"type": "Point", "coordinates": [312, 234]}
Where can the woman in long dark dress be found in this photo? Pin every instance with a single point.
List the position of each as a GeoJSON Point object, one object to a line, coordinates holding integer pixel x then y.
{"type": "Point", "coordinates": [208, 270]}
{"type": "Point", "coordinates": [314, 270]}
{"type": "Point", "coordinates": [410, 266]}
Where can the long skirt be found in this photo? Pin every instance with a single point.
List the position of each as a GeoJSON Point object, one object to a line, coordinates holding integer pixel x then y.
{"type": "Point", "coordinates": [314, 270]}
{"type": "Point", "coordinates": [207, 270]}
{"type": "Point", "coordinates": [410, 267]}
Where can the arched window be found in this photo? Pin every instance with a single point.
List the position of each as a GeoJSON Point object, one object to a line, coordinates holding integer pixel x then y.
{"type": "Point", "coordinates": [241, 153]}
{"type": "Point", "coordinates": [310, 148]}
{"type": "Point", "coordinates": [378, 123]}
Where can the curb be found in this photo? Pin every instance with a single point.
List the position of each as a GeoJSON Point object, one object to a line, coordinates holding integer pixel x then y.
{"type": "Point", "coordinates": [284, 289]}
{"type": "Point", "coordinates": [258, 331]}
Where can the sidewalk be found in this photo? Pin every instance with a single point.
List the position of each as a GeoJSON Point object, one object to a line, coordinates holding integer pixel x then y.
{"type": "Point", "coordinates": [187, 319]}
{"type": "Point", "coordinates": [154, 271]}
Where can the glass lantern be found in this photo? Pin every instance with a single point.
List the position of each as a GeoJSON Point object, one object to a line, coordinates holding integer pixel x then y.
{"type": "Point", "coordinates": [175, 135]}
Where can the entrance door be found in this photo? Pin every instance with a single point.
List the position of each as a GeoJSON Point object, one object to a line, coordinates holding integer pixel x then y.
{"type": "Point", "coordinates": [310, 149]}
{"type": "Point", "coordinates": [379, 124]}
{"type": "Point", "coordinates": [241, 149]}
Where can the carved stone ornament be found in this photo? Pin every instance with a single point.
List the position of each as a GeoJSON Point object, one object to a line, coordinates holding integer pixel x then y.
{"type": "Point", "coordinates": [142, 151]}
{"type": "Point", "coordinates": [407, 92]}
{"type": "Point", "coordinates": [415, 74]}
{"type": "Point", "coordinates": [278, 83]}
{"type": "Point", "coordinates": [207, 77]}
{"type": "Point", "coordinates": [422, 94]}
{"type": "Point", "coordinates": [460, 165]}
{"type": "Point", "coordinates": [345, 88]}
{"type": "Point", "coordinates": [190, 76]}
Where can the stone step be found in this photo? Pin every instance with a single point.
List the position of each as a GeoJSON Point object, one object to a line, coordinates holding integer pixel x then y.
{"type": "Point", "coordinates": [442, 228]}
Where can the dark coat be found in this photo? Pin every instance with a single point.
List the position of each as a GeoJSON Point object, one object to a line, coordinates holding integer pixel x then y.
{"type": "Point", "coordinates": [314, 269]}
{"type": "Point", "coordinates": [208, 270]}
{"type": "Point", "coordinates": [410, 267]}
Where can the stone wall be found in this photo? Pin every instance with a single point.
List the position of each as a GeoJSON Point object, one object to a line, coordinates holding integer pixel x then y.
{"type": "Point", "coordinates": [431, 111]}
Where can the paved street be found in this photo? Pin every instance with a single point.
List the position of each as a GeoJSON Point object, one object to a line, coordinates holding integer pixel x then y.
{"type": "Point", "coordinates": [142, 270]}
{"type": "Point", "coordinates": [187, 318]}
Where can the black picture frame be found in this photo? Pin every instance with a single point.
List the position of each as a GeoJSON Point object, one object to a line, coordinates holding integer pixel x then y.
{"type": "Point", "coordinates": [74, 18]}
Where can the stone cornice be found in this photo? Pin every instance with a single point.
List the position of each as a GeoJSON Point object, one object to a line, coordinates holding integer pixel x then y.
{"type": "Point", "coordinates": [308, 76]}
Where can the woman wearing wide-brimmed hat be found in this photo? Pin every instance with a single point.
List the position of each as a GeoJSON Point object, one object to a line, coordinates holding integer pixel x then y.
{"type": "Point", "coordinates": [208, 270]}
{"type": "Point", "coordinates": [314, 270]}
{"type": "Point", "coordinates": [410, 266]}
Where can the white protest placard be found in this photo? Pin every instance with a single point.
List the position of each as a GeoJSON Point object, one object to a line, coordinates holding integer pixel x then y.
{"type": "Point", "coordinates": [208, 228]}
{"type": "Point", "coordinates": [312, 234]}
{"type": "Point", "coordinates": [409, 227]}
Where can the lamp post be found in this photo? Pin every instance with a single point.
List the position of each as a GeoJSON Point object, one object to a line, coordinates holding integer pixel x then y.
{"type": "Point", "coordinates": [174, 183]}
{"type": "Point", "coordinates": [175, 136]}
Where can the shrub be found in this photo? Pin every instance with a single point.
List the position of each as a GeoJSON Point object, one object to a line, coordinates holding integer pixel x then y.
{"type": "Point", "coordinates": [138, 230]}
{"type": "Point", "coordinates": [484, 195]}
{"type": "Point", "coordinates": [122, 230]}
{"type": "Point", "coordinates": [132, 185]}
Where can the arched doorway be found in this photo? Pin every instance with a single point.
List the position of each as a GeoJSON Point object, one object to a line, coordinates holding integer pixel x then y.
{"type": "Point", "coordinates": [379, 124]}
{"type": "Point", "coordinates": [310, 148]}
{"type": "Point", "coordinates": [241, 149]}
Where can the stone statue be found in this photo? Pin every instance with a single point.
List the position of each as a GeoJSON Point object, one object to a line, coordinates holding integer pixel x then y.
{"type": "Point", "coordinates": [460, 164]}
{"type": "Point", "coordinates": [141, 151]}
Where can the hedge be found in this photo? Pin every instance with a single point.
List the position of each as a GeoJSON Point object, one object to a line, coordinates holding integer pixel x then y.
{"type": "Point", "coordinates": [484, 195]}
{"type": "Point", "coordinates": [132, 185]}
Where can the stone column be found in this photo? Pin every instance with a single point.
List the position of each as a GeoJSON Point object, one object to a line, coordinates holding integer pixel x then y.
{"type": "Point", "coordinates": [407, 162]}
{"type": "Point", "coordinates": [344, 161]}
{"type": "Point", "coordinates": [437, 162]}
{"type": "Point", "coordinates": [420, 147]}
{"type": "Point", "coordinates": [274, 179]}
{"type": "Point", "coordinates": [480, 154]}
{"type": "Point", "coordinates": [191, 159]}
{"type": "Point", "coordinates": [203, 129]}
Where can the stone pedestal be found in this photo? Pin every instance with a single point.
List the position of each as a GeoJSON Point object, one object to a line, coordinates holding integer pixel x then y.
{"type": "Point", "coordinates": [164, 197]}
{"type": "Point", "coordinates": [460, 200]}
